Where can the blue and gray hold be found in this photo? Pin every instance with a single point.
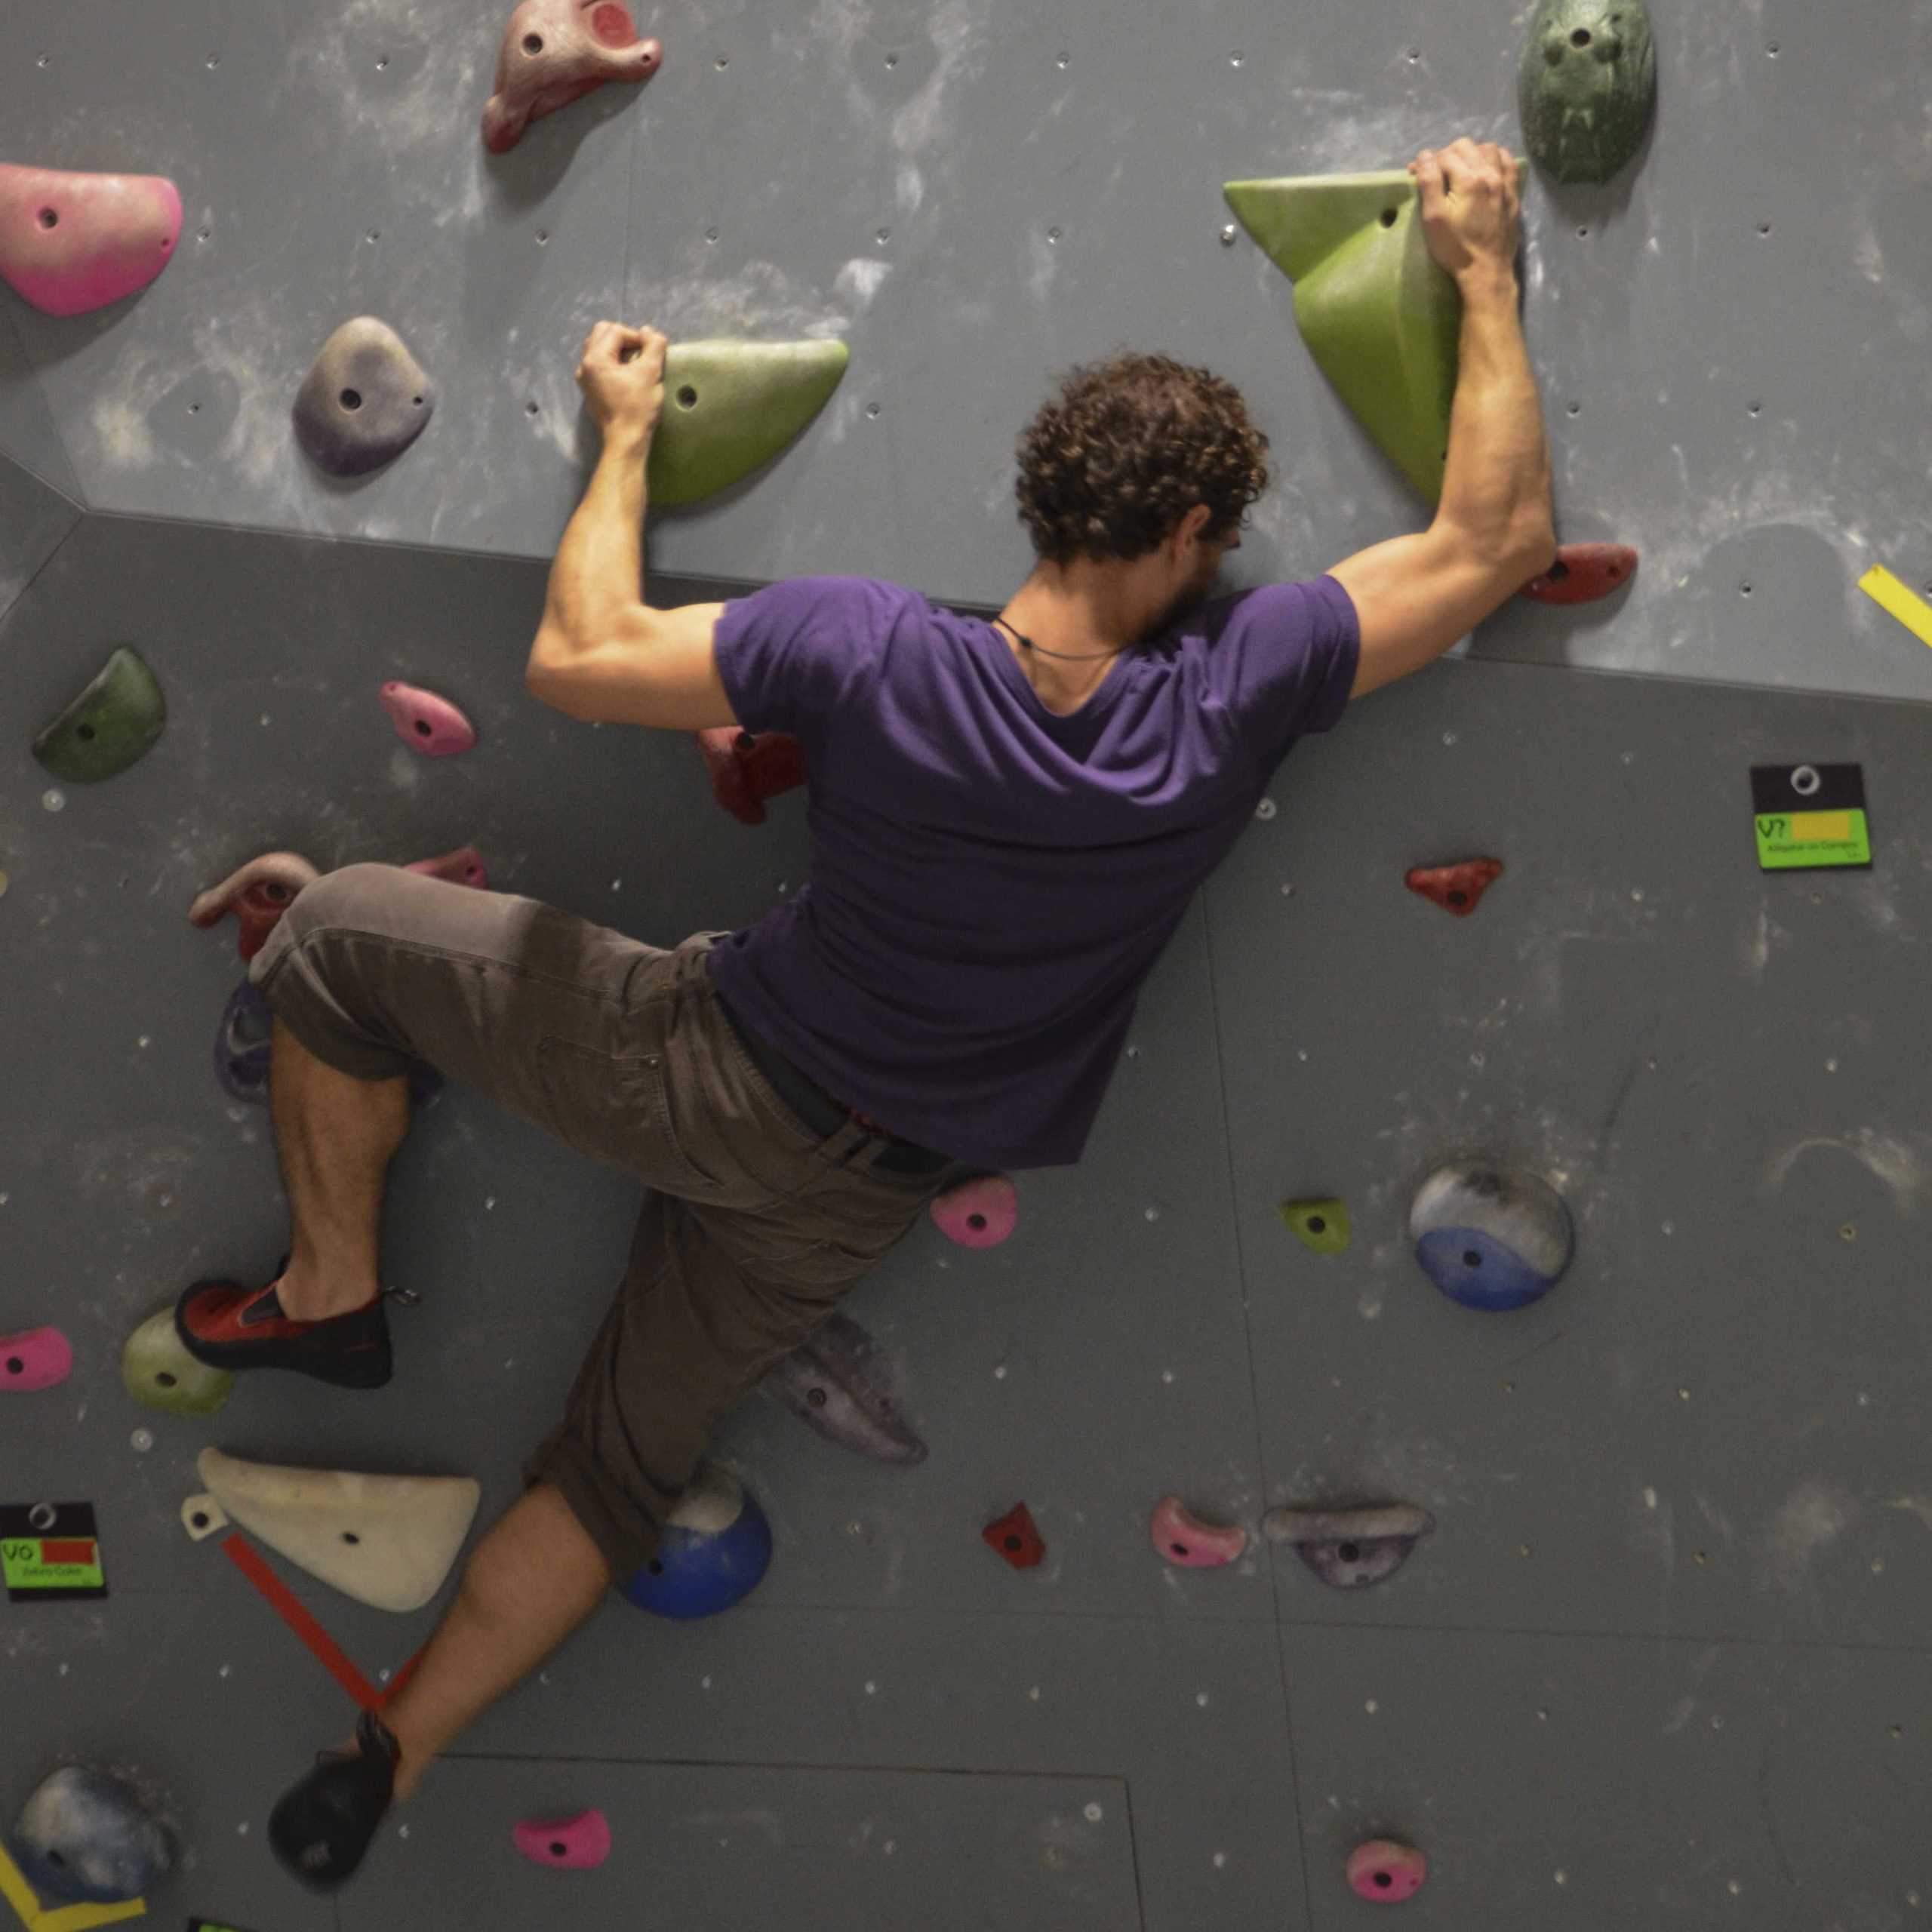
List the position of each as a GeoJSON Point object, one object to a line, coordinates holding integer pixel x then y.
{"type": "Point", "coordinates": [841, 1384]}
{"type": "Point", "coordinates": [243, 1047]}
{"type": "Point", "coordinates": [1491, 1238]}
{"type": "Point", "coordinates": [716, 1547]}
{"type": "Point", "coordinates": [85, 1837]}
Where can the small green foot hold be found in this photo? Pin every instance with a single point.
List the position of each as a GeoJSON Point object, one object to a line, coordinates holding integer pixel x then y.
{"type": "Point", "coordinates": [156, 1369]}
{"type": "Point", "coordinates": [1323, 1225]}
{"type": "Point", "coordinates": [113, 723]}
{"type": "Point", "coordinates": [731, 406]}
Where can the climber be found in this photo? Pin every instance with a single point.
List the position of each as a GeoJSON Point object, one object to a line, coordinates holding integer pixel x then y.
{"type": "Point", "coordinates": [1008, 820]}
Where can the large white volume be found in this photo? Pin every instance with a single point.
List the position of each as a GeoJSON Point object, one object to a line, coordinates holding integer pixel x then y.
{"type": "Point", "coordinates": [386, 1541]}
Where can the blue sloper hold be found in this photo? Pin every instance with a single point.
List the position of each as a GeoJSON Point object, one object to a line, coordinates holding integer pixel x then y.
{"type": "Point", "coordinates": [1493, 1239]}
{"type": "Point", "coordinates": [85, 1837]}
{"type": "Point", "coordinates": [841, 1384]}
{"type": "Point", "coordinates": [716, 1547]}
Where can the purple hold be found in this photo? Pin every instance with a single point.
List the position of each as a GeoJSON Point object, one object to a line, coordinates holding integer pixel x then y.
{"type": "Point", "coordinates": [242, 1048]}
{"type": "Point", "coordinates": [841, 1384]}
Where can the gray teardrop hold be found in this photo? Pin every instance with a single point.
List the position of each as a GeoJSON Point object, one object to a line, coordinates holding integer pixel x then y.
{"type": "Point", "coordinates": [366, 400]}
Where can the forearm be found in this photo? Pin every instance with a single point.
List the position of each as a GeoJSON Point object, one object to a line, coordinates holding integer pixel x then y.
{"type": "Point", "coordinates": [1497, 486]}
{"type": "Point", "coordinates": [596, 592]}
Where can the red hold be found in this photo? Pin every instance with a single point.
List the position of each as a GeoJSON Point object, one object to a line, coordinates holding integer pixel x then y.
{"type": "Point", "coordinates": [1016, 1537]}
{"type": "Point", "coordinates": [258, 894]}
{"type": "Point", "coordinates": [1456, 889]}
{"type": "Point", "coordinates": [464, 867]}
{"type": "Point", "coordinates": [747, 768]}
{"type": "Point", "coordinates": [557, 51]}
{"type": "Point", "coordinates": [1583, 573]}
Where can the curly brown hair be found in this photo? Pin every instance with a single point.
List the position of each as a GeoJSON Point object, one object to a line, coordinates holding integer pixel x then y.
{"type": "Point", "coordinates": [1112, 464]}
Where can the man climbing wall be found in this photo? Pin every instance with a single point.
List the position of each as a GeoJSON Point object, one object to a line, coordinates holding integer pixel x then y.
{"type": "Point", "coordinates": [1008, 821]}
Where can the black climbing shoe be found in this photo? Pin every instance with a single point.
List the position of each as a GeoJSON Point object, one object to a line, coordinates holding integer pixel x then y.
{"type": "Point", "coordinates": [232, 1328]}
{"type": "Point", "coordinates": [321, 1827]}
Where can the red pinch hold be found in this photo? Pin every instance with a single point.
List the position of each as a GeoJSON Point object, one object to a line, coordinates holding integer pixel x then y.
{"type": "Point", "coordinates": [1456, 889]}
{"type": "Point", "coordinates": [464, 867]}
{"type": "Point", "coordinates": [1016, 1537]}
{"type": "Point", "coordinates": [748, 767]}
{"type": "Point", "coordinates": [557, 51]}
{"type": "Point", "coordinates": [257, 894]}
{"type": "Point", "coordinates": [1583, 573]}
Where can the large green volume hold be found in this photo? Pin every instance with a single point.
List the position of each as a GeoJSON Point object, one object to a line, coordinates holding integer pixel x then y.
{"type": "Point", "coordinates": [730, 406]}
{"type": "Point", "coordinates": [1381, 319]}
{"type": "Point", "coordinates": [111, 724]}
{"type": "Point", "coordinates": [1587, 85]}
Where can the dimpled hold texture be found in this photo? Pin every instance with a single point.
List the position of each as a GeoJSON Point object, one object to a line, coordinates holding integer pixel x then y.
{"type": "Point", "coordinates": [364, 401]}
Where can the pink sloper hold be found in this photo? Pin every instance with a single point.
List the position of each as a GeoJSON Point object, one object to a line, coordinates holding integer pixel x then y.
{"type": "Point", "coordinates": [431, 725]}
{"type": "Point", "coordinates": [557, 51]}
{"type": "Point", "coordinates": [569, 1844]}
{"type": "Point", "coordinates": [980, 1213]}
{"type": "Point", "coordinates": [70, 243]}
{"type": "Point", "coordinates": [38, 1359]}
{"type": "Point", "coordinates": [1190, 1544]}
{"type": "Point", "coordinates": [1385, 1871]}
{"type": "Point", "coordinates": [464, 867]}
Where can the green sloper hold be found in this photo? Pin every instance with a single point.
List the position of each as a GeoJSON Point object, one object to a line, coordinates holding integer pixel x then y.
{"type": "Point", "coordinates": [1587, 86]}
{"type": "Point", "coordinates": [1323, 1225]}
{"type": "Point", "coordinates": [113, 723]}
{"type": "Point", "coordinates": [1381, 319]}
{"type": "Point", "coordinates": [155, 1369]}
{"type": "Point", "coordinates": [730, 406]}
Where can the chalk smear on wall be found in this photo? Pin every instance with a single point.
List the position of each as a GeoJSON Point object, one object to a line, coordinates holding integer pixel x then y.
{"type": "Point", "coordinates": [1812, 1518]}
{"type": "Point", "coordinates": [1900, 1164]}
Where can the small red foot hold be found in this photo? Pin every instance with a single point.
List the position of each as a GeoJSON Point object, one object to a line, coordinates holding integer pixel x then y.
{"type": "Point", "coordinates": [464, 867]}
{"type": "Point", "coordinates": [257, 895]}
{"type": "Point", "coordinates": [557, 51]}
{"type": "Point", "coordinates": [1583, 573]}
{"type": "Point", "coordinates": [1016, 1537]}
{"type": "Point", "coordinates": [1456, 889]}
{"type": "Point", "coordinates": [747, 768]}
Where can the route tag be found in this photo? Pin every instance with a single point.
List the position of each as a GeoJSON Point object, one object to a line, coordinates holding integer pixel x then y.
{"type": "Point", "coordinates": [50, 1552]}
{"type": "Point", "coordinates": [1809, 816]}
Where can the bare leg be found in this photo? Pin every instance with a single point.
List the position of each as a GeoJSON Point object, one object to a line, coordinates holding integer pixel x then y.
{"type": "Point", "coordinates": [334, 1136]}
{"type": "Point", "coordinates": [529, 1583]}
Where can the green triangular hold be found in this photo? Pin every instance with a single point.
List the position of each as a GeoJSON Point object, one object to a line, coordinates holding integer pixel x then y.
{"type": "Point", "coordinates": [111, 724]}
{"type": "Point", "coordinates": [730, 406]}
{"type": "Point", "coordinates": [1323, 1225]}
{"type": "Point", "coordinates": [1381, 319]}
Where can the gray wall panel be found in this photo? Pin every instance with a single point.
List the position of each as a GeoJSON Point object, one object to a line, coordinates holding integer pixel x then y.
{"type": "Point", "coordinates": [34, 522]}
{"type": "Point", "coordinates": [27, 433]}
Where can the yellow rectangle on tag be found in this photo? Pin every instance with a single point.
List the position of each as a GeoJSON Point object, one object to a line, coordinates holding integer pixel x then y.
{"type": "Point", "coordinates": [1911, 610]}
{"type": "Point", "coordinates": [1821, 828]}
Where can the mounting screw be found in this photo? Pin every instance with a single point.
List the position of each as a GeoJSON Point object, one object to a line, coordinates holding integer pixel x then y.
{"type": "Point", "coordinates": [1229, 232]}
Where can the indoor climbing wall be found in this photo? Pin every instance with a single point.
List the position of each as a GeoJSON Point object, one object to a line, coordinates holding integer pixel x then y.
{"type": "Point", "coordinates": [1651, 1649]}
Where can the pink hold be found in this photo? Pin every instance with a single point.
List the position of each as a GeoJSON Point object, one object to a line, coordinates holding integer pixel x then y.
{"type": "Point", "coordinates": [557, 51]}
{"type": "Point", "coordinates": [69, 243]}
{"type": "Point", "coordinates": [1385, 1871]}
{"type": "Point", "coordinates": [432, 725]}
{"type": "Point", "coordinates": [37, 1359]}
{"type": "Point", "coordinates": [980, 1213]}
{"type": "Point", "coordinates": [1190, 1544]}
{"type": "Point", "coordinates": [464, 867]}
{"type": "Point", "coordinates": [569, 1844]}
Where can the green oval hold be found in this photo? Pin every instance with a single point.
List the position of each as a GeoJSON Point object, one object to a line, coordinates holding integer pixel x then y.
{"type": "Point", "coordinates": [1587, 86]}
{"type": "Point", "coordinates": [113, 723]}
{"type": "Point", "coordinates": [156, 1369]}
{"type": "Point", "coordinates": [731, 406]}
{"type": "Point", "coordinates": [1323, 1225]}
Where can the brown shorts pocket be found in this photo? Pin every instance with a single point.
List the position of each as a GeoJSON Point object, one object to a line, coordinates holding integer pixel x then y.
{"type": "Point", "coordinates": [614, 1108]}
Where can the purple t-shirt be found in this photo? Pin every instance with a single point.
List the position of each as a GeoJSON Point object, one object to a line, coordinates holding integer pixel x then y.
{"type": "Point", "coordinates": [991, 884]}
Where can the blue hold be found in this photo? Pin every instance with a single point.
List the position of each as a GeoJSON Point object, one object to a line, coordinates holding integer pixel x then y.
{"type": "Point", "coordinates": [715, 1549]}
{"type": "Point", "coordinates": [242, 1048]}
{"type": "Point", "coordinates": [84, 1837]}
{"type": "Point", "coordinates": [1491, 1238]}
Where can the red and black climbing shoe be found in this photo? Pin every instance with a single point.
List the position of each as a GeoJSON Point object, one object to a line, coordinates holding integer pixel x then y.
{"type": "Point", "coordinates": [232, 1328]}
{"type": "Point", "coordinates": [320, 1828]}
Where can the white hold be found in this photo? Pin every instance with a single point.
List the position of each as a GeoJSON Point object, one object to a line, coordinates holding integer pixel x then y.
{"type": "Point", "coordinates": [202, 1516]}
{"type": "Point", "coordinates": [386, 1541]}
{"type": "Point", "coordinates": [714, 1501]}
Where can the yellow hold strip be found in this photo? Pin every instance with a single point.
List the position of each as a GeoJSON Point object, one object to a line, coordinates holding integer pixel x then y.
{"type": "Point", "coordinates": [1911, 610]}
{"type": "Point", "coordinates": [69, 1918]}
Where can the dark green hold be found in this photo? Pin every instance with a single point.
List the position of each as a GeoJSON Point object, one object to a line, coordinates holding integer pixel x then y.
{"type": "Point", "coordinates": [113, 723]}
{"type": "Point", "coordinates": [1587, 86]}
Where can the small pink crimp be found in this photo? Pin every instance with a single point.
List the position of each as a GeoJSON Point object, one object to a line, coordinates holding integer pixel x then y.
{"type": "Point", "coordinates": [569, 1844]}
{"type": "Point", "coordinates": [36, 1359]}
{"type": "Point", "coordinates": [431, 725]}
{"type": "Point", "coordinates": [980, 1213]}
{"type": "Point", "coordinates": [464, 867]}
{"type": "Point", "coordinates": [1190, 1544]}
{"type": "Point", "coordinates": [1385, 1871]}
